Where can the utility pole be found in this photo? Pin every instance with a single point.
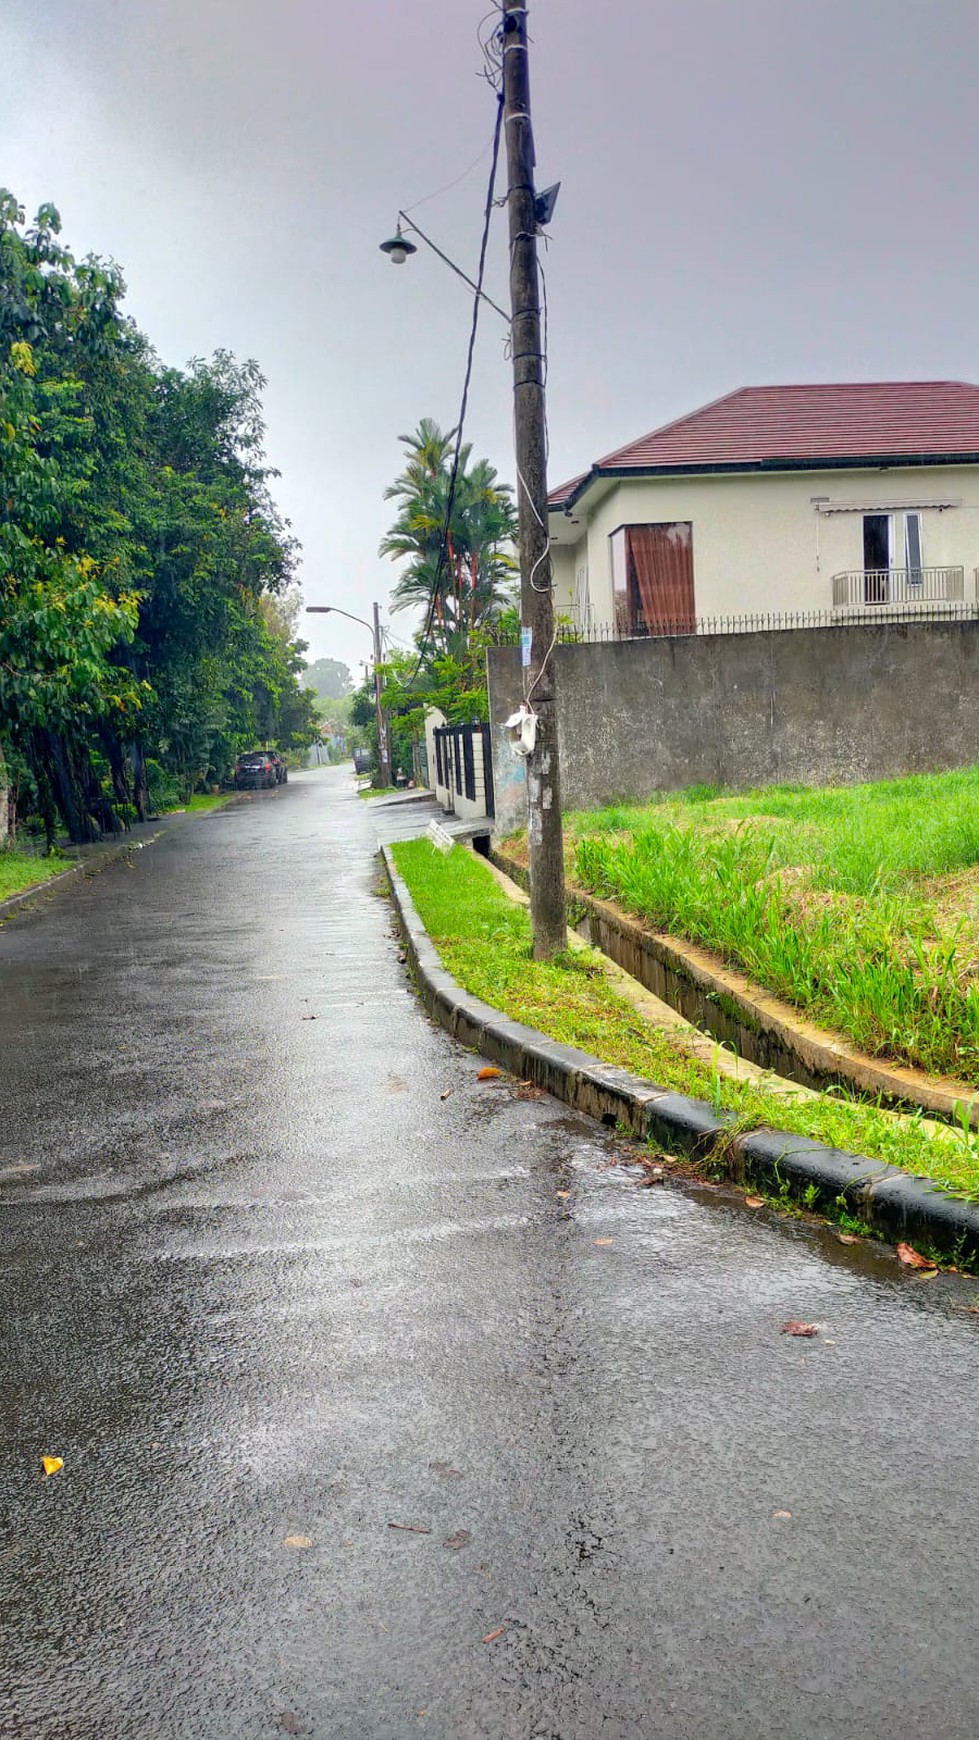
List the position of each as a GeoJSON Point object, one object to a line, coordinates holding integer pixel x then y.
{"type": "Point", "coordinates": [544, 832]}
{"type": "Point", "coordinates": [383, 743]}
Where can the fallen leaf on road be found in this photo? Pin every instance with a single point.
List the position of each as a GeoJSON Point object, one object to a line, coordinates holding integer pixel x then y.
{"type": "Point", "coordinates": [489, 1073]}
{"type": "Point", "coordinates": [444, 1095]}
{"type": "Point", "coordinates": [603, 1241]}
{"type": "Point", "coordinates": [51, 1464]}
{"type": "Point", "coordinates": [308, 1018]}
{"type": "Point", "coordinates": [781, 1516]}
{"type": "Point", "coordinates": [289, 1722]}
{"type": "Point", "coordinates": [411, 1528]}
{"type": "Point", "coordinates": [446, 1469]}
{"type": "Point", "coordinates": [297, 1541]}
{"type": "Point", "coordinates": [563, 1194]}
{"type": "Point", "coordinates": [459, 1538]}
{"type": "Point", "coordinates": [913, 1259]}
{"type": "Point", "coordinates": [754, 1202]}
{"type": "Point", "coordinates": [794, 1327]}
{"type": "Point", "coordinates": [847, 1238]}
{"type": "Point", "coordinates": [491, 1636]}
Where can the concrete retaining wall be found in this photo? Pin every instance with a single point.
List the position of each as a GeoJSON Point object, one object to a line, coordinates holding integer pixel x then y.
{"type": "Point", "coordinates": [817, 706]}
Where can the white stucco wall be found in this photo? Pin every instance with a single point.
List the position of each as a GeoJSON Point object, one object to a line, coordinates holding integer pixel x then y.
{"type": "Point", "coordinates": [434, 719]}
{"type": "Point", "coordinates": [760, 543]}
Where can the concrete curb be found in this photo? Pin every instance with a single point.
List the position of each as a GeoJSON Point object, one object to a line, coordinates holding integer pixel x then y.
{"type": "Point", "coordinates": [894, 1203]}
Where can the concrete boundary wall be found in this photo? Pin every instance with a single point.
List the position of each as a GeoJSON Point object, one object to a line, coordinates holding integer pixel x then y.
{"type": "Point", "coordinates": [809, 706]}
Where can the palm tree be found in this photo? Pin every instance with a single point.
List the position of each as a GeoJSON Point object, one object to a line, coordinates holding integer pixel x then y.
{"type": "Point", "coordinates": [461, 570]}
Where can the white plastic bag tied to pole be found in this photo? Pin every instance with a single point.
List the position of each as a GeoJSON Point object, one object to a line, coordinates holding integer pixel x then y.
{"type": "Point", "coordinates": [521, 728]}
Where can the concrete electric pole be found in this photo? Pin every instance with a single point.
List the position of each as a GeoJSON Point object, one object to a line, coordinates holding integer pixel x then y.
{"type": "Point", "coordinates": [544, 830]}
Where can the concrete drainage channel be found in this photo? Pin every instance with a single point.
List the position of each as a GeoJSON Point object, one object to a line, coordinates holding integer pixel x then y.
{"type": "Point", "coordinates": [893, 1202]}
{"type": "Point", "coordinates": [757, 1026]}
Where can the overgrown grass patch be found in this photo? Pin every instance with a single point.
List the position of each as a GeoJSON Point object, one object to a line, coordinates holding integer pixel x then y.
{"type": "Point", "coordinates": [484, 940]}
{"type": "Point", "coordinates": [20, 870]}
{"type": "Point", "coordinates": [860, 904]}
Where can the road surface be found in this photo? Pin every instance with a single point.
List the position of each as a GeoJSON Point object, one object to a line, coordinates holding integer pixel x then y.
{"type": "Point", "coordinates": [268, 1292]}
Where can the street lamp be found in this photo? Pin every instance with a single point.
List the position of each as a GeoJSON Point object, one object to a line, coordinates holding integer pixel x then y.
{"type": "Point", "coordinates": [398, 247]}
{"type": "Point", "coordinates": [383, 744]}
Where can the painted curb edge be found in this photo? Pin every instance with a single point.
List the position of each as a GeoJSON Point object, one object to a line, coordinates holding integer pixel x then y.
{"type": "Point", "coordinates": [897, 1204]}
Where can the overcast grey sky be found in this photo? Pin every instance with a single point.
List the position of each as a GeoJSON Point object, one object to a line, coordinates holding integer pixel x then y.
{"type": "Point", "coordinates": [766, 192]}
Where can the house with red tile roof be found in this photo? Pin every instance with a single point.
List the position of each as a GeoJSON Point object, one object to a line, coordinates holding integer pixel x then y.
{"type": "Point", "coordinates": [831, 501]}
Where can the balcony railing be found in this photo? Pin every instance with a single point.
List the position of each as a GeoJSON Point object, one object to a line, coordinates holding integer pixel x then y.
{"type": "Point", "coordinates": [870, 586]}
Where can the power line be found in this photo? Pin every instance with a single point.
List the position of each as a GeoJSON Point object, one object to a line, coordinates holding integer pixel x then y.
{"type": "Point", "coordinates": [453, 477]}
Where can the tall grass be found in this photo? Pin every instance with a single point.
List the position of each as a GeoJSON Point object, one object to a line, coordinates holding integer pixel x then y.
{"type": "Point", "coordinates": [484, 940]}
{"type": "Point", "coordinates": [827, 897]}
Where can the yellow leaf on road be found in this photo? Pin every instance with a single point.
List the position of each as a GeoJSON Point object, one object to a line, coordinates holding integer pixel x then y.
{"type": "Point", "coordinates": [52, 1464]}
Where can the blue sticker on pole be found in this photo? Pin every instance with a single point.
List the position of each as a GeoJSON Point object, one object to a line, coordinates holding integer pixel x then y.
{"type": "Point", "coordinates": [526, 643]}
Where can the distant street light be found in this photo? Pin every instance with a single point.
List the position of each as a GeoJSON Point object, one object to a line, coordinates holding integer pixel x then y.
{"type": "Point", "coordinates": [383, 743]}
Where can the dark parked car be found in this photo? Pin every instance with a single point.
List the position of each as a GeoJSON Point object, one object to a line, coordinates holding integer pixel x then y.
{"type": "Point", "coordinates": [257, 768]}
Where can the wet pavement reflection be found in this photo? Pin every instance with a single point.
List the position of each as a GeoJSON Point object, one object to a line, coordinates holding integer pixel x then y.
{"type": "Point", "coordinates": [384, 1413]}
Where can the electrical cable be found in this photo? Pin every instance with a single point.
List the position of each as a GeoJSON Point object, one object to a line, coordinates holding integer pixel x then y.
{"type": "Point", "coordinates": [454, 474]}
{"type": "Point", "coordinates": [450, 184]}
{"type": "Point", "coordinates": [491, 44]}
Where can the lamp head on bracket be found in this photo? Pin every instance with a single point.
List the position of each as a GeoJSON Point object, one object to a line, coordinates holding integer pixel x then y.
{"type": "Point", "coordinates": [398, 247]}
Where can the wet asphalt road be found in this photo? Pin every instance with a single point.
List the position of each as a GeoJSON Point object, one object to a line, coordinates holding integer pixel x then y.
{"type": "Point", "coordinates": [262, 1282]}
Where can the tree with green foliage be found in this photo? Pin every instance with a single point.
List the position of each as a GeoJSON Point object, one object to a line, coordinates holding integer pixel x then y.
{"type": "Point", "coordinates": [465, 565]}
{"type": "Point", "coordinates": [329, 679]}
{"type": "Point", "coordinates": [146, 576]}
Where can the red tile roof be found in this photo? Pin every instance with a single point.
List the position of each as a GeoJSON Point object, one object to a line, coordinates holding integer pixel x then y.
{"type": "Point", "coordinates": [810, 426]}
{"type": "Point", "coordinates": [557, 497]}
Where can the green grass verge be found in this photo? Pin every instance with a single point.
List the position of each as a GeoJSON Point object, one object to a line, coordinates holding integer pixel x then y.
{"type": "Point", "coordinates": [210, 800]}
{"type": "Point", "coordinates": [20, 870]}
{"type": "Point", "coordinates": [859, 905]}
{"type": "Point", "coordinates": [484, 940]}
